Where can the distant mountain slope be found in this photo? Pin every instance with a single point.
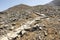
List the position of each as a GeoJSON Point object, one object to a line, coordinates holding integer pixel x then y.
{"type": "Point", "coordinates": [54, 3]}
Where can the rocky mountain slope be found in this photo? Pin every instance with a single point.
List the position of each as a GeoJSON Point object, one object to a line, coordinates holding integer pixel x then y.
{"type": "Point", "coordinates": [54, 3]}
{"type": "Point", "coordinates": [24, 22]}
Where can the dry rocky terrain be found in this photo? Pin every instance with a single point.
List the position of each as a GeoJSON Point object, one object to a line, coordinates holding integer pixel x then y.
{"type": "Point", "coordinates": [24, 22]}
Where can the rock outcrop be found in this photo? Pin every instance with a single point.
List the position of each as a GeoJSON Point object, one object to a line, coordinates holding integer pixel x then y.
{"type": "Point", "coordinates": [24, 22]}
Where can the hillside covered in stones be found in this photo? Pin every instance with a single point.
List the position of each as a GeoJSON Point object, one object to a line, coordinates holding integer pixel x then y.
{"type": "Point", "coordinates": [23, 22]}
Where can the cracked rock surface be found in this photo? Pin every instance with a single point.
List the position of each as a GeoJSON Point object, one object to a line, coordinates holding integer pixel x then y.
{"type": "Point", "coordinates": [24, 22]}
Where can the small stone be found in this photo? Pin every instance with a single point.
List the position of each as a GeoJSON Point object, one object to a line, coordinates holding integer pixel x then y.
{"type": "Point", "coordinates": [40, 28]}
{"type": "Point", "coordinates": [4, 38]}
{"type": "Point", "coordinates": [11, 35]}
{"type": "Point", "coordinates": [23, 32]}
{"type": "Point", "coordinates": [45, 33]}
{"type": "Point", "coordinates": [47, 18]}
